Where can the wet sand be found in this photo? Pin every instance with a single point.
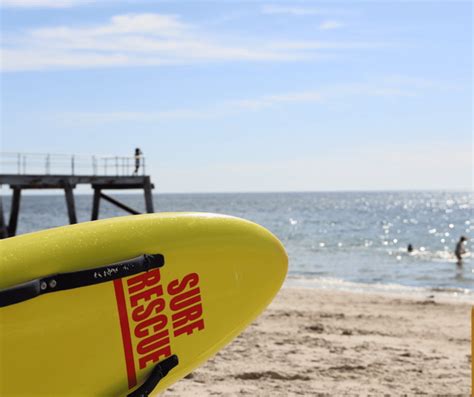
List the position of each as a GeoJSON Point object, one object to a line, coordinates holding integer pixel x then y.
{"type": "Point", "coordinates": [312, 341]}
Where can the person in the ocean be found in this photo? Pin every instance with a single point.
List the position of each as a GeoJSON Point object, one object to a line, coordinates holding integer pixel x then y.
{"type": "Point", "coordinates": [410, 248]}
{"type": "Point", "coordinates": [460, 250]}
{"type": "Point", "coordinates": [138, 155]}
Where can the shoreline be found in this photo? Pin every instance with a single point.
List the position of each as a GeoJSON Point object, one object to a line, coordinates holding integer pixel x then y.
{"type": "Point", "coordinates": [311, 341]}
{"type": "Point", "coordinates": [449, 295]}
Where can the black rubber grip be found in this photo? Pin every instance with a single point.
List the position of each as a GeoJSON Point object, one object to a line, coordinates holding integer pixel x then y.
{"type": "Point", "coordinates": [81, 278]}
{"type": "Point", "coordinates": [159, 372]}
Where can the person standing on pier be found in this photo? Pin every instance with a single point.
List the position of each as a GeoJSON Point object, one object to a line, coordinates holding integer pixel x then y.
{"type": "Point", "coordinates": [138, 156]}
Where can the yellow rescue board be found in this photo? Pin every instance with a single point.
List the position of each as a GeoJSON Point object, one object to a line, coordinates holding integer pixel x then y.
{"type": "Point", "coordinates": [219, 274]}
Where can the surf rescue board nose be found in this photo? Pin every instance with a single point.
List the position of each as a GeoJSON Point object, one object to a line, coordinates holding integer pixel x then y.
{"type": "Point", "coordinates": [129, 305]}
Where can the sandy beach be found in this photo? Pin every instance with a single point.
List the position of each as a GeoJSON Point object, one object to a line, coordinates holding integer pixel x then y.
{"type": "Point", "coordinates": [312, 341]}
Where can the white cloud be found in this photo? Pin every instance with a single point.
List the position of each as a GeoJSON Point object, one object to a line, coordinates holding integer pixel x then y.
{"type": "Point", "coordinates": [147, 39]}
{"type": "Point", "coordinates": [304, 10]}
{"type": "Point", "coordinates": [217, 110]}
{"type": "Point", "coordinates": [330, 25]}
{"type": "Point", "coordinates": [311, 45]}
{"type": "Point", "coordinates": [387, 88]}
{"type": "Point", "coordinates": [291, 10]}
{"type": "Point", "coordinates": [382, 88]}
{"type": "Point", "coordinates": [272, 100]}
{"type": "Point", "coordinates": [17, 60]}
{"type": "Point", "coordinates": [43, 3]}
{"type": "Point", "coordinates": [133, 116]}
{"type": "Point", "coordinates": [147, 24]}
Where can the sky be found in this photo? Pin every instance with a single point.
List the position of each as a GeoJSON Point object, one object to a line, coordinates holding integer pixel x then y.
{"type": "Point", "coordinates": [230, 96]}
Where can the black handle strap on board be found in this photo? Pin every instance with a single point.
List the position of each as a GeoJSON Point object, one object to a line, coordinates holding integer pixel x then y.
{"type": "Point", "coordinates": [159, 372]}
{"type": "Point", "coordinates": [81, 278]}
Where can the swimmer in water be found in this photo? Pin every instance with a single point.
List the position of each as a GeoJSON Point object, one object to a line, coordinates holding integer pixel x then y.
{"type": "Point", "coordinates": [410, 248]}
{"type": "Point", "coordinates": [460, 250]}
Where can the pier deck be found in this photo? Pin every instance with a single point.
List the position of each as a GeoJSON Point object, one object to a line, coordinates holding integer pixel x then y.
{"type": "Point", "coordinates": [22, 181]}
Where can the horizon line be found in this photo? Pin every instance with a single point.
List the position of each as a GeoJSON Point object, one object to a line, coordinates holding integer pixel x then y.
{"type": "Point", "coordinates": [57, 192]}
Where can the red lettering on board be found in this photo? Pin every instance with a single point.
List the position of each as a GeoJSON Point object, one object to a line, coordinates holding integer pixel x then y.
{"type": "Point", "coordinates": [189, 328]}
{"type": "Point", "coordinates": [149, 324]}
{"type": "Point", "coordinates": [143, 280]}
{"type": "Point", "coordinates": [141, 312]}
{"type": "Point", "coordinates": [186, 305]}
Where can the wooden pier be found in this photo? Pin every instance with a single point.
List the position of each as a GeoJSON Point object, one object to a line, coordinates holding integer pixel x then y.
{"type": "Point", "coordinates": [68, 183]}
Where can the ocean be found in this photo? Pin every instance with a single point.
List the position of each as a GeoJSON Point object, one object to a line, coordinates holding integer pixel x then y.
{"type": "Point", "coordinates": [342, 240]}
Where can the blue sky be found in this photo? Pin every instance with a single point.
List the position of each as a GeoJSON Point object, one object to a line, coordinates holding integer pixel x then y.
{"type": "Point", "coordinates": [246, 96]}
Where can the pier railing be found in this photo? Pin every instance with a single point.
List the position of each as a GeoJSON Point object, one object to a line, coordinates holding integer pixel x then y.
{"type": "Point", "coordinates": [26, 171]}
{"type": "Point", "coordinates": [70, 164]}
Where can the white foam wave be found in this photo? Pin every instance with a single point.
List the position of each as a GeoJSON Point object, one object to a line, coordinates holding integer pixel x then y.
{"type": "Point", "coordinates": [458, 294]}
{"type": "Point", "coordinates": [425, 254]}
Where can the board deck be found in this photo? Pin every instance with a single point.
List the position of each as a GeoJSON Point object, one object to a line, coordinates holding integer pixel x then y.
{"type": "Point", "coordinates": [219, 273]}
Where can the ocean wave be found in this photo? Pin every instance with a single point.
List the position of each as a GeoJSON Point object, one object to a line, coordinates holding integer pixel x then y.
{"type": "Point", "coordinates": [426, 254]}
{"type": "Point", "coordinates": [343, 285]}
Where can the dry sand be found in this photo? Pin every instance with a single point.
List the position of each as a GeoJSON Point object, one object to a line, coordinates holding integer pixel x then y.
{"type": "Point", "coordinates": [313, 341]}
